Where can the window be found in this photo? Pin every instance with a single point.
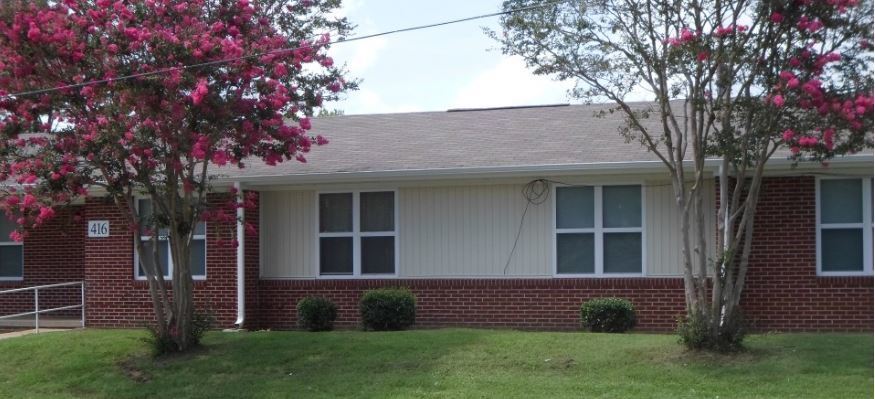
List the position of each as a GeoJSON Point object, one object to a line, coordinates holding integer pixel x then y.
{"type": "Point", "coordinates": [844, 232]}
{"type": "Point", "coordinates": [198, 254]}
{"type": "Point", "coordinates": [357, 235]}
{"type": "Point", "coordinates": [599, 231]}
{"type": "Point", "coordinates": [11, 252]}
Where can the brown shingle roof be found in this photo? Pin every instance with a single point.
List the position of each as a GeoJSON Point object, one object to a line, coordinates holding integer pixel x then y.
{"type": "Point", "coordinates": [503, 137]}
{"type": "Point", "coordinates": [448, 142]}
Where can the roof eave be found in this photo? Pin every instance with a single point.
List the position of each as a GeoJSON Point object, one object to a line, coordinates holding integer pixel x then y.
{"type": "Point", "coordinates": [774, 165]}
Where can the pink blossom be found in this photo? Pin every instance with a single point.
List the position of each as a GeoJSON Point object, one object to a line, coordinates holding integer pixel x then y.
{"type": "Point", "coordinates": [46, 213]}
{"type": "Point", "coordinates": [33, 33]}
{"type": "Point", "coordinates": [788, 135]}
{"type": "Point", "coordinates": [687, 35]}
{"type": "Point", "coordinates": [200, 147]}
{"type": "Point", "coordinates": [807, 141]}
{"type": "Point", "coordinates": [778, 100]}
{"type": "Point", "coordinates": [29, 200]}
{"type": "Point", "coordinates": [16, 236]}
{"type": "Point", "coordinates": [777, 17]}
{"type": "Point", "coordinates": [220, 158]}
{"type": "Point", "coordinates": [828, 137]}
{"type": "Point", "coordinates": [199, 92]}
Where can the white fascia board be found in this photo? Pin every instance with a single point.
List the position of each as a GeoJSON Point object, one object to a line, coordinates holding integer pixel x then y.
{"type": "Point", "coordinates": [775, 166]}
{"type": "Point", "coordinates": [453, 173]}
{"type": "Point", "coordinates": [604, 168]}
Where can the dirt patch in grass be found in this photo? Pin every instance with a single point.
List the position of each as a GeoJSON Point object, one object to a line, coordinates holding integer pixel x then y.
{"type": "Point", "coordinates": [684, 357]}
{"type": "Point", "coordinates": [131, 369]}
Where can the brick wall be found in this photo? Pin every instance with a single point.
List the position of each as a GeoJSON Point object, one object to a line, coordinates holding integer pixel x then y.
{"type": "Point", "coordinates": [116, 299]}
{"type": "Point", "coordinates": [783, 291]}
{"type": "Point", "coordinates": [53, 253]}
{"type": "Point", "coordinates": [551, 304]}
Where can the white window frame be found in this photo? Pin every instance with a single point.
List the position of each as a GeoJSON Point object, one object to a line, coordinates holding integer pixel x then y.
{"type": "Point", "coordinates": [356, 234]}
{"type": "Point", "coordinates": [599, 231]}
{"type": "Point", "coordinates": [10, 243]}
{"type": "Point", "coordinates": [866, 225]}
{"type": "Point", "coordinates": [169, 266]}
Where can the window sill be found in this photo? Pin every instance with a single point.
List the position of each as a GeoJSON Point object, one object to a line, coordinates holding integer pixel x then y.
{"type": "Point", "coordinates": [351, 277]}
{"type": "Point", "coordinates": [844, 274]}
{"type": "Point", "coordinates": [170, 280]}
{"type": "Point", "coordinates": [612, 275]}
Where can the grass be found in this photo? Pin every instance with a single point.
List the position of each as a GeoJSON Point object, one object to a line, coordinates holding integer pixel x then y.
{"type": "Point", "coordinates": [450, 363]}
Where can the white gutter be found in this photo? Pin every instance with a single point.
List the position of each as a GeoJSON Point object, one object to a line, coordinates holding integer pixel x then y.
{"type": "Point", "coordinates": [775, 164]}
{"type": "Point", "coordinates": [241, 259]}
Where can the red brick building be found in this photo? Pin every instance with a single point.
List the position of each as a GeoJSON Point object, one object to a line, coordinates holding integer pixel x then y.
{"type": "Point", "coordinates": [432, 201]}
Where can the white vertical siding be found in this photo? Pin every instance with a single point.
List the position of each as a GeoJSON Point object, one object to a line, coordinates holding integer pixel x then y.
{"type": "Point", "coordinates": [468, 231]}
{"type": "Point", "coordinates": [288, 234]}
{"type": "Point", "coordinates": [662, 225]}
{"type": "Point", "coordinates": [465, 231]}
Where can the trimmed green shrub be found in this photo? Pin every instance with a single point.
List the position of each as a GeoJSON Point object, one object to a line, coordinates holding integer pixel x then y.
{"type": "Point", "coordinates": [613, 315]}
{"type": "Point", "coordinates": [388, 309]}
{"type": "Point", "coordinates": [316, 313]}
{"type": "Point", "coordinates": [695, 333]}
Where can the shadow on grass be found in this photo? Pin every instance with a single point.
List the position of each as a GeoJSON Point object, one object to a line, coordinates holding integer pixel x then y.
{"type": "Point", "coordinates": [340, 363]}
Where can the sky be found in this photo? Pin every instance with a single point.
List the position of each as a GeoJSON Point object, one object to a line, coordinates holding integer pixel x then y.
{"type": "Point", "coordinates": [455, 66]}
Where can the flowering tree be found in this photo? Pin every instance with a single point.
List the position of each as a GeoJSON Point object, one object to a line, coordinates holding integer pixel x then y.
{"type": "Point", "coordinates": [260, 71]}
{"type": "Point", "coordinates": [734, 80]}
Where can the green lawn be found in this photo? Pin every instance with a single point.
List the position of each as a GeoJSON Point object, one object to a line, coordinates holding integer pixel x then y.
{"type": "Point", "coordinates": [451, 363]}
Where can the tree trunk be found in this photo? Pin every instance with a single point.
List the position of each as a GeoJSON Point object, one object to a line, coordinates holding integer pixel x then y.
{"type": "Point", "coordinates": [180, 249]}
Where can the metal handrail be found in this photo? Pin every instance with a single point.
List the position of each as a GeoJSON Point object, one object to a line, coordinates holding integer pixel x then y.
{"type": "Point", "coordinates": [36, 312]}
{"type": "Point", "coordinates": [36, 287]}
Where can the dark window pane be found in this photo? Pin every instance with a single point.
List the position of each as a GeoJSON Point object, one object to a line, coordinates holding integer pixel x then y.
{"type": "Point", "coordinates": [11, 261]}
{"type": "Point", "coordinates": [335, 212]}
{"type": "Point", "coordinates": [621, 206]}
{"type": "Point", "coordinates": [841, 201]}
{"type": "Point", "coordinates": [144, 208]}
{"type": "Point", "coordinates": [200, 229]}
{"type": "Point", "coordinates": [163, 256]}
{"type": "Point", "coordinates": [622, 253]}
{"type": "Point", "coordinates": [574, 207]}
{"type": "Point", "coordinates": [198, 258]}
{"type": "Point", "coordinates": [841, 250]}
{"type": "Point", "coordinates": [378, 255]}
{"type": "Point", "coordinates": [377, 211]}
{"type": "Point", "coordinates": [335, 255]}
{"type": "Point", "coordinates": [575, 253]}
{"type": "Point", "coordinates": [146, 222]}
{"type": "Point", "coordinates": [6, 227]}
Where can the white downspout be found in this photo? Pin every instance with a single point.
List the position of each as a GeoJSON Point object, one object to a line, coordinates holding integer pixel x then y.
{"type": "Point", "coordinates": [241, 259]}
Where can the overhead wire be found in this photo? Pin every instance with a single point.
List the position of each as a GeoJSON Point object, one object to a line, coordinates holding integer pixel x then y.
{"type": "Point", "coordinates": [274, 52]}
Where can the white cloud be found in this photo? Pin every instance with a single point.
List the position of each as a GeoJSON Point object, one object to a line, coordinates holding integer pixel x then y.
{"type": "Point", "coordinates": [348, 7]}
{"type": "Point", "coordinates": [366, 101]}
{"type": "Point", "coordinates": [510, 83]}
{"type": "Point", "coordinates": [364, 54]}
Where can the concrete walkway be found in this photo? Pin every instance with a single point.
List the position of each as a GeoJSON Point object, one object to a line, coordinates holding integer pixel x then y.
{"type": "Point", "coordinates": [20, 333]}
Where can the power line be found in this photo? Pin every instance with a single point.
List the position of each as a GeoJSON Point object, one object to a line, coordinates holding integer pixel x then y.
{"type": "Point", "coordinates": [277, 51]}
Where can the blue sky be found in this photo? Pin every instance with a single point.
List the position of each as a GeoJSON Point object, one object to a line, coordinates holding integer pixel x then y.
{"type": "Point", "coordinates": [434, 69]}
